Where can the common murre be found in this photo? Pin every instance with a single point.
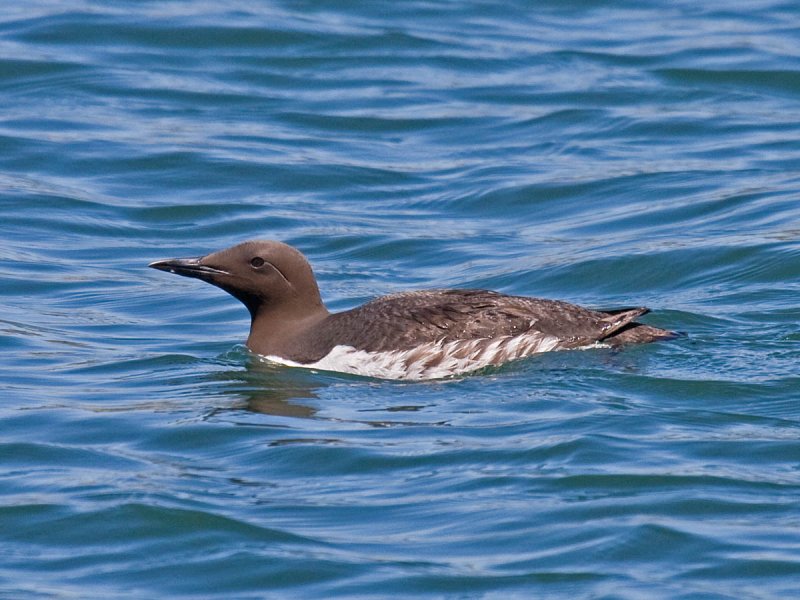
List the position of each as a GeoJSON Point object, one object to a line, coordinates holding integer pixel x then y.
{"type": "Point", "coordinates": [412, 335]}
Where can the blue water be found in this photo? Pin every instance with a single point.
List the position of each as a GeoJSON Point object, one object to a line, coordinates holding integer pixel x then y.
{"type": "Point", "coordinates": [607, 153]}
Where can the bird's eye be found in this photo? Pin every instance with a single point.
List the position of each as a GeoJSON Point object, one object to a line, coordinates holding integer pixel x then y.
{"type": "Point", "coordinates": [257, 261]}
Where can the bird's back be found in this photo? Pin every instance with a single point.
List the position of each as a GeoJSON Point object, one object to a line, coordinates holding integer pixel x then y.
{"type": "Point", "coordinates": [404, 321]}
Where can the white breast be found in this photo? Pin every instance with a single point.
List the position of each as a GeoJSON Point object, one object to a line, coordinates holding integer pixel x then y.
{"type": "Point", "coordinates": [432, 360]}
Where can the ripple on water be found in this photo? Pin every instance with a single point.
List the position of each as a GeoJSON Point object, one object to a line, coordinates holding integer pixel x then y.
{"type": "Point", "coordinates": [604, 154]}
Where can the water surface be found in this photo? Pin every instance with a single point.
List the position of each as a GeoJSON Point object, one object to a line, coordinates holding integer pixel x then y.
{"type": "Point", "coordinates": [609, 154]}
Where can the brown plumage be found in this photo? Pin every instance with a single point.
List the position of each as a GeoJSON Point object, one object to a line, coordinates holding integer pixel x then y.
{"type": "Point", "coordinates": [417, 335]}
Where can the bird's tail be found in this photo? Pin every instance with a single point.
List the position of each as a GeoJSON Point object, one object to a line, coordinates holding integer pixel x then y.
{"type": "Point", "coordinates": [622, 329]}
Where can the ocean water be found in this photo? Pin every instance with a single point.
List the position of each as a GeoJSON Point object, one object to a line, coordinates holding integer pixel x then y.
{"type": "Point", "coordinates": [608, 153]}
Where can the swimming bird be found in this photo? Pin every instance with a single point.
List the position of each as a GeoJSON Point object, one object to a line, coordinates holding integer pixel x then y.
{"type": "Point", "coordinates": [417, 335]}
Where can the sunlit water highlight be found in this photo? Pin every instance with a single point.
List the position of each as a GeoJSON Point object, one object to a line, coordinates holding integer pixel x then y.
{"type": "Point", "coordinates": [609, 154]}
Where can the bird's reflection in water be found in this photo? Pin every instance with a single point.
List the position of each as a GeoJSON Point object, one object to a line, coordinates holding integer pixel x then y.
{"type": "Point", "coordinates": [270, 389]}
{"type": "Point", "coordinates": [287, 392]}
{"type": "Point", "coordinates": [279, 404]}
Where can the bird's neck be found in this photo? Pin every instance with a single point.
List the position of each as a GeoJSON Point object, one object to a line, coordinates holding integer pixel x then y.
{"type": "Point", "coordinates": [274, 330]}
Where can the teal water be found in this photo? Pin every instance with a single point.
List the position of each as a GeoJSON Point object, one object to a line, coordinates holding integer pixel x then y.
{"type": "Point", "coordinates": [606, 153]}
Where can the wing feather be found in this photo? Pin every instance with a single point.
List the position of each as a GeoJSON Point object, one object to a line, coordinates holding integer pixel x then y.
{"type": "Point", "coordinates": [406, 320]}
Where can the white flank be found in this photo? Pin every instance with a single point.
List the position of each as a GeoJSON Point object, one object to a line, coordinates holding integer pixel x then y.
{"type": "Point", "coordinates": [432, 360]}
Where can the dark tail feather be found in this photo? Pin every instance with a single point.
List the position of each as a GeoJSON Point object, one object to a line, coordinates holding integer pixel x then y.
{"type": "Point", "coordinates": [617, 320]}
{"type": "Point", "coordinates": [636, 333]}
{"type": "Point", "coordinates": [619, 311]}
{"type": "Point", "coordinates": [623, 330]}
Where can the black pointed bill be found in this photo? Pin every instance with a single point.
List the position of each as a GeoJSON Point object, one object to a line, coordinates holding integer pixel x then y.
{"type": "Point", "coordinates": [188, 267]}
